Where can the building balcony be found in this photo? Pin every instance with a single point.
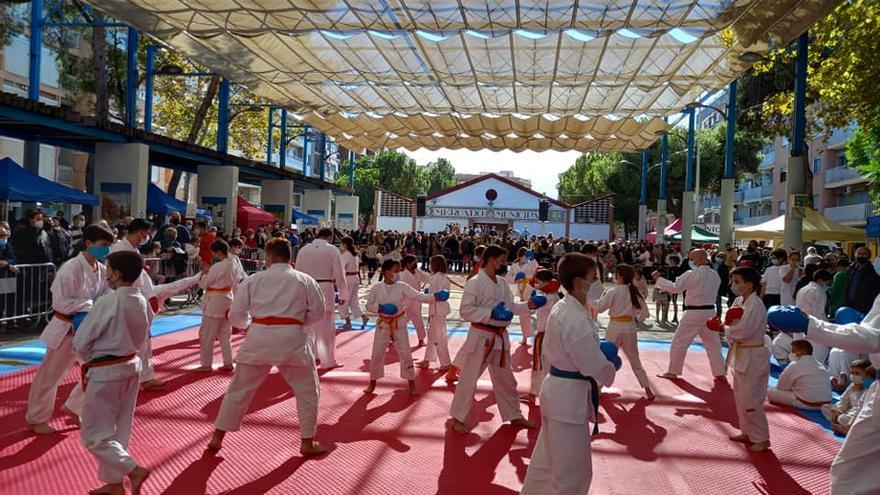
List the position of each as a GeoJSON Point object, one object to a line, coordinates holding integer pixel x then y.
{"type": "Point", "coordinates": [849, 215]}
{"type": "Point", "coordinates": [757, 193]}
{"type": "Point", "coordinates": [839, 137]}
{"type": "Point", "coordinates": [843, 176]}
{"type": "Point", "coordinates": [738, 197]}
{"type": "Point", "coordinates": [756, 220]}
{"type": "Point", "coordinates": [769, 160]}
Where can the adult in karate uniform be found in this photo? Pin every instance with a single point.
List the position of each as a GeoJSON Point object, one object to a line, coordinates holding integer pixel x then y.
{"type": "Point", "coordinates": [854, 470]}
{"type": "Point", "coordinates": [77, 284]}
{"type": "Point", "coordinates": [351, 264]}
{"type": "Point", "coordinates": [107, 343]}
{"type": "Point", "coordinates": [323, 262]}
{"type": "Point", "coordinates": [804, 383]}
{"type": "Point", "coordinates": [561, 463]}
{"type": "Point", "coordinates": [279, 302]}
{"type": "Point", "coordinates": [488, 304]}
{"type": "Point", "coordinates": [411, 275]}
{"type": "Point", "coordinates": [700, 285]}
{"type": "Point", "coordinates": [218, 285]}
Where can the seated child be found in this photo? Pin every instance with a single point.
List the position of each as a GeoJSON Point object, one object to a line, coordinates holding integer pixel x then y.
{"type": "Point", "coordinates": [805, 383]}
{"type": "Point", "coordinates": [842, 414]}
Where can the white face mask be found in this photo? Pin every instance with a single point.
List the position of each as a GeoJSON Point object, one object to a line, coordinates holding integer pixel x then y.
{"type": "Point", "coordinates": [857, 379]}
{"type": "Point", "coordinates": [793, 357]}
{"type": "Point", "coordinates": [80, 223]}
{"type": "Point", "coordinates": [396, 278]}
{"type": "Point", "coordinates": [692, 265]}
{"type": "Point", "coordinates": [736, 289]}
{"type": "Point", "coordinates": [38, 224]}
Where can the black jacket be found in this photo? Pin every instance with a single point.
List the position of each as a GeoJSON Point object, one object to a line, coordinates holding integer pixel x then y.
{"type": "Point", "coordinates": [861, 297]}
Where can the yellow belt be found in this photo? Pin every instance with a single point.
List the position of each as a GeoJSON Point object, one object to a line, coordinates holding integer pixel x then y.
{"type": "Point", "coordinates": [391, 321]}
{"type": "Point", "coordinates": [735, 350]}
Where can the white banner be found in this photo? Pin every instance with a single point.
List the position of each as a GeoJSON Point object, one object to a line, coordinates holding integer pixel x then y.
{"type": "Point", "coordinates": [556, 216]}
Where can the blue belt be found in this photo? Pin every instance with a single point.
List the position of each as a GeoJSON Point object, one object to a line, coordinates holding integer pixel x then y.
{"type": "Point", "coordinates": [594, 389]}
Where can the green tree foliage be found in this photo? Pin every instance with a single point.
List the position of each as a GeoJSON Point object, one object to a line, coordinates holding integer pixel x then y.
{"type": "Point", "coordinates": [440, 176]}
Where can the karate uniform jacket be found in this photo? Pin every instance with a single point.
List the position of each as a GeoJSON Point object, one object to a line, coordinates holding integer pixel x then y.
{"type": "Point", "coordinates": [222, 274]}
{"type": "Point", "coordinates": [808, 379]}
{"type": "Point", "coordinates": [323, 261]}
{"type": "Point", "coordinates": [436, 283]}
{"type": "Point", "coordinates": [748, 330]}
{"type": "Point", "coordinates": [701, 286]}
{"type": "Point", "coordinates": [618, 302]}
{"type": "Point", "coordinates": [75, 288]}
{"type": "Point", "coordinates": [480, 296]}
{"type": "Point", "coordinates": [812, 300]}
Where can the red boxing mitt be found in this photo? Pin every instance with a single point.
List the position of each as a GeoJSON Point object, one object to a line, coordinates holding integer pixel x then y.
{"type": "Point", "coordinates": [733, 314]}
{"type": "Point", "coordinates": [154, 304]}
{"type": "Point", "coordinates": [551, 286]}
{"type": "Point", "coordinates": [715, 324]}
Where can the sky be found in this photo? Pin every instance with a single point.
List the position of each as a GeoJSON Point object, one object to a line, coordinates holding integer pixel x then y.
{"type": "Point", "coordinates": [541, 168]}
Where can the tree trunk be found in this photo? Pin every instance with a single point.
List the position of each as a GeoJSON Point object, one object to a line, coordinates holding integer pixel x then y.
{"type": "Point", "coordinates": [99, 51]}
{"type": "Point", "coordinates": [198, 121]}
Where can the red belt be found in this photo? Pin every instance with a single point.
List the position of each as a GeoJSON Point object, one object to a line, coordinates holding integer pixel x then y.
{"type": "Point", "coordinates": [63, 317]}
{"type": "Point", "coordinates": [276, 320]}
{"type": "Point", "coordinates": [100, 363]}
{"type": "Point", "coordinates": [490, 343]}
{"type": "Point", "coordinates": [219, 289]}
{"type": "Point", "coordinates": [351, 273]}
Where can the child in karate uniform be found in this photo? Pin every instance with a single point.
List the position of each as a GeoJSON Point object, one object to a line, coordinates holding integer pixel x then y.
{"type": "Point", "coordinates": [804, 383]}
{"type": "Point", "coordinates": [842, 414]}
{"type": "Point", "coordinates": [77, 284]}
{"type": "Point", "coordinates": [548, 286]}
{"type": "Point", "coordinates": [218, 285]}
{"type": "Point", "coordinates": [812, 299]}
{"type": "Point", "coordinates": [411, 275]}
{"type": "Point", "coordinates": [626, 308]}
{"type": "Point", "coordinates": [235, 247]}
{"type": "Point", "coordinates": [437, 347]}
{"type": "Point", "coordinates": [351, 263]}
{"type": "Point", "coordinates": [107, 343]}
{"type": "Point", "coordinates": [561, 463]}
{"type": "Point", "coordinates": [750, 359]}
{"type": "Point", "coordinates": [520, 275]}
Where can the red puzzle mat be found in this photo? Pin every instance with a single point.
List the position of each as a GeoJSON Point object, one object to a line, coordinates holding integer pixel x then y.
{"type": "Point", "coordinates": [391, 443]}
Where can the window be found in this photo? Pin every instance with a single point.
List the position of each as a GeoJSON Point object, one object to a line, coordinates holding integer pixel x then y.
{"type": "Point", "coordinates": [842, 161]}
{"type": "Point", "coordinates": [784, 142]}
{"type": "Point", "coordinates": [782, 175]}
{"type": "Point", "coordinates": [781, 207]}
{"type": "Point", "coordinates": [817, 165]}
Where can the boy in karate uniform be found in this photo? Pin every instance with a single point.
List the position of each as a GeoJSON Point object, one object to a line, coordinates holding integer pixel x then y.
{"type": "Point", "coordinates": [77, 284]}
{"type": "Point", "coordinates": [520, 274]}
{"type": "Point", "coordinates": [561, 462]}
{"type": "Point", "coordinates": [280, 301]}
{"type": "Point", "coordinates": [488, 304]}
{"type": "Point", "coordinates": [218, 285]}
{"type": "Point", "coordinates": [415, 278]}
{"type": "Point", "coordinates": [812, 299]}
{"type": "Point", "coordinates": [387, 299]}
{"type": "Point", "coordinates": [549, 288]}
{"type": "Point", "coordinates": [438, 346]}
{"type": "Point", "coordinates": [107, 343]}
{"type": "Point", "coordinates": [804, 383]}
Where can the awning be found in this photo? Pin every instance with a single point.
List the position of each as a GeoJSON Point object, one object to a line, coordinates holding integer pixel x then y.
{"type": "Point", "coordinates": [17, 184]}
{"type": "Point", "coordinates": [300, 217]}
{"type": "Point", "coordinates": [816, 228]}
{"type": "Point", "coordinates": [162, 203]}
{"type": "Point", "coordinates": [670, 230]}
{"type": "Point", "coordinates": [249, 216]}
{"type": "Point", "coordinates": [698, 235]}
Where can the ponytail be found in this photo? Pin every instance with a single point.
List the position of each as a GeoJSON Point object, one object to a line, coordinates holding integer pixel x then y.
{"type": "Point", "coordinates": [634, 296]}
{"type": "Point", "coordinates": [627, 273]}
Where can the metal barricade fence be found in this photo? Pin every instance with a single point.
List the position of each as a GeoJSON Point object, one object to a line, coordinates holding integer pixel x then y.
{"type": "Point", "coordinates": [25, 296]}
{"type": "Point", "coordinates": [252, 260]}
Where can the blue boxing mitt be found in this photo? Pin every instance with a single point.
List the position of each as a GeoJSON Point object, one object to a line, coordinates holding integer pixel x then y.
{"type": "Point", "coordinates": [519, 276]}
{"type": "Point", "coordinates": [529, 255]}
{"type": "Point", "coordinates": [501, 313]}
{"type": "Point", "coordinates": [846, 315]}
{"type": "Point", "coordinates": [538, 300]}
{"type": "Point", "coordinates": [78, 319]}
{"type": "Point", "coordinates": [616, 362]}
{"type": "Point", "coordinates": [609, 349]}
{"type": "Point", "coordinates": [388, 309]}
{"type": "Point", "coordinates": [787, 319]}
{"type": "Point", "coordinates": [441, 295]}
{"type": "Point", "coordinates": [426, 290]}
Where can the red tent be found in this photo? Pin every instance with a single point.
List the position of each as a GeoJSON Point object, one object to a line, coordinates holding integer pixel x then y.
{"type": "Point", "coordinates": [249, 216]}
{"type": "Point", "coordinates": [670, 230]}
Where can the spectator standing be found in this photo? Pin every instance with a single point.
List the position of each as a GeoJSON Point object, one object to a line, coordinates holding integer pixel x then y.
{"type": "Point", "coordinates": [837, 295]}
{"type": "Point", "coordinates": [30, 242]}
{"type": "Point", "coordinates": [812, 257]}
{"type": "Point", "coordinates": [75, 231]}
{"type": "Point", "coordinates": [863, 283]}
{"type": "Point", "coordinates": [61, 242]}
{"type": "Point", "coordinates": [184, 235]}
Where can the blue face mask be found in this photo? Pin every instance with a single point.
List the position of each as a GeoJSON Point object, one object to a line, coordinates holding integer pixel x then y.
{"type": "Point", "coordinates": [3, 242]}
{"type": "Point", "coordinates": [99, 252]}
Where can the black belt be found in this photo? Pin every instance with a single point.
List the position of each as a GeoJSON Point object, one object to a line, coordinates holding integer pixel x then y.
{"type": "Point", "coordinates": [594, 389]}
{"type": "Point", "coordinates": [320, 280]}
{"type": "Point", "coordinates": [103, 359]}
{"type": "Point", "coordinates": [704, 306]}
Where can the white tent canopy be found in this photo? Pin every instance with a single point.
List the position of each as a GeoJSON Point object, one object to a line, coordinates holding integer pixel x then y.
{"type": "Point", "coordinates": [816, 228]}
{"type": "Point", "coordinates": [340, 59]}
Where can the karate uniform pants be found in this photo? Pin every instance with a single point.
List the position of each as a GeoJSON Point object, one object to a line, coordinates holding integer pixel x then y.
{"type": "Point", "coordinates": [692, 324]}
{"type": "Point", "coordinates": [438, 346]}
{"type": "Point", "coordinates": [627, 342]}
{"type": "Point", "coordinates": [352, 307]}
{"type": "Point", "coordinates": [146, 356]}
{"type": "Point", "coordinates": [503, 381]}
{"type": "Point", "coordinates": [525, 323]}
{"type": "Point", "coordinates": [839, 362]}
{"type": "Point", "coordinates": [302, 379]}
{"type": "Point", "coordinates": [323, 334]}
{"type": "Point", "coordinates": [561, 462]}
{"type": "Point", "coordinates": [381, 339]}
{"type": "Point", "coordinates": [414, 314]}
{"type": "Point", "coordinates": [214, 328]}
{"type": "Point", "coordinates": [50, 373]}
{"type": "Point", "coordinates": [854, 470]}
{"type": "Point", "coordinates": [537, 377]}
{"type": "Point", "coordinates": [749, 392]}
{"type": "Point", "coordinates": [788, 398]}
{"type": "Point", "coordinates": [106, 425]}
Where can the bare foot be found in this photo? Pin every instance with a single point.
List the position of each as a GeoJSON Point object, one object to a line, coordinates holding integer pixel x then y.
{"type": "Point", "coordinates": [421, 342]}
{"type": "Point", "coordinates": [41, 429]}
{"type": "Point", "coordinates": [412, 388]}
{"type": "Point", "coordinates": [331, 367]}
{"type": "Point", "coordinates": [371, 387]}
{"type": "Point", "coordinates": [523, 423]}
{"type": "Point", "coordinates": [459, 427]}
{"type": "Point", "coordinates": [73, 416]}
{"type": "Point", "coordinates": [226, 367]}
{"type": "Point", "coordinates": [423, 364]}
{"type": "Point", "coordinates": [742, 437]}
{"type": "Point", "coordinates": [137, 476]}
{"type": "Point", "coordinates": [452, 375]}
{"type": "Point", "coordinates": [200, 369]}
{"type": "Point", "coordinates": [527, 398]}
{"type": "Point", "coordinates": [667, 375]}
{"type": "Point", "coordinates": [109, 489]}
{"type": "Point", "coordinates": [649, 394]}
{"type": "Point", "coordinates": [759, 447]}
{"type": "Point", "coordinates": [311, 448]}
{"type": "Point", "coordinates": [154, 383]}
{"type": "Point", "coordinates": [364, 320]}
{"type": "Point", "coordinates": [216, 442]}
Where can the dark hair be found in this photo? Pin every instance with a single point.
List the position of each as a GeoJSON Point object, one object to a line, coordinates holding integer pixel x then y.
{"type": "Point", "coordinates": [494, 251]}
{"type": "Point", "coordinates": [822, 275]}
{"type": "Point", "coordinates": [842, 262]}
{"type": "Point", "coordinates": [325, 232]}
{"type": "Point", "coordinates": [627, 273]}
{"type": "Point", "coordinates": [201, 224]}
{"type": "Point", "coordinates": [278, 248]}
{"type": "Point", "coordinates": [749, 276]}
{"type": "Point", "coordinates": [862, 364]}
{"type": "Point", "coordinates": [544, 275]}
{"type": "Point", "coordinates": [235, 242]}
{"type": "Point", "coordinates": [138, 225]}
{"type": "Point", "coordinates": [572, 266]}
{"type": "Point", "coordinates": [348, 244]}
{"type": "Point", "coordinates": [96, 232]}
{"type": "Point", "coordinates": [779, 253]}
{"type": "Point", "coordinates": [128, 263]}
{"type": "Point", "coordinates": [438, 264]}
{"type": "Point", "coordinates": [521, 252]}
{"type": "Point", "coordinates": [407, 260]}
{"type": "Point", "coordinates": [479, 250]}
{"type": "Point", "coordinates": [220, 246]}
{"type": "Point", "coordinates": [388, 264]}
{"type": "Point", "coordinates": [803, 345]}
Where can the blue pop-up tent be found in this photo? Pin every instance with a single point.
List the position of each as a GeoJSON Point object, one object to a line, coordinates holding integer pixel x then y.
{"type": "Point", "coordinates": [17, 184]}
{"type": "Point", "coordinates": [158, 201]}
{"type": "Point", "coordinates": [300, 217]}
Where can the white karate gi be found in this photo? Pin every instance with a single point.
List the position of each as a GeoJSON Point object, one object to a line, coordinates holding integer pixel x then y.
{"type": "Point", "coordinates": [701, 285]}
{"type": "Point", "coordinates": [218, 285]}
{"type": "Point", "coordinates": [279, 291]}
{"type": "Point", "coordinates": [561, 462]}
{"type": "Point", "coordinates": [522, 289]}
{"type": "Point", "coordinates": [539, 366]}
{"type": "Point", "coordinates": [74, 289]}
{"type": "Point", "coordinates": [772, 280]}
{"type": "Point", "coordinates": [117, 325]}
{"type": "Point", "coordinates": [847, 407]}
{"type": "Point", "coordinates": [352, 306]}
{"type": "Point", "coordinates": [484, 349]}
{"type": "Point", "coordinates": [786, 290]}
{"type": "Point", "coordinates": [323, 262]}
{"type": "Point", "coordinates": [840, 361]}
{"type": "Point", "coordinates": [392, 329]}
{"type": "Point", "coordinates": [619, 305]}
{"type": "Point", "coordinates": [240, 272]}
{"type": "Point", "coordinates": [804, 383]}
{"type": "Point", "coordinates": [413, 309]}
{"type": "Point", "coordinates": [438, 347]}
{"type": "Point", "coordinates": [813, 299]}
{"type": "Point", "coordinates": [750, 360]}
{"type": "Point", "coordinates": [854, 470]}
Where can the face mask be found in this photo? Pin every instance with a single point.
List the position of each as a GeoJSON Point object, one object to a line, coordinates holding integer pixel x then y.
{"type": "Point", "coordinates": [793, 357]}
{"type": "Point", "coordinates": [868, 382]}
{"type": "Point", "coordinates": [861, 260]}
{"type": "Point", "coordinates": [395, 278]}
{"type": "Point", "coordinates": [501, 271]}
{"type": "Point", "coordinates": [736, 289]}
{"type": "Point", "coordinates": [79, 223]}
{"type": "Point", "coordinates": [692, 265]}
{"type": "Point", "coordinates": [99, 252]}
{"type": "Point", "coordinates": [3, 242]}
{"type": "Point", "coordinates": [38, 224]}
{"type": "Point", "coordinates": [777, 261]}
{"type": "Point", "coordinates": [174, 221]}
{"type": "Point", "coordinates": [857, 379]}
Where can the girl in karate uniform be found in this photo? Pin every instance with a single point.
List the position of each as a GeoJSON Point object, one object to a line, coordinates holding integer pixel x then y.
{"type": "Point", "coordinates": [351, 264]}
{"type": "Point", "coordinates": [218, 285]}
{"type": "Point", "coordinates": [750, 358]}
{"type": "Point", "coordinates": [437, 347]}
{"type": "Point", "coordinates": [548, 286]}
{"type": "Point", "coordinates": [626, 308]}
{"type": "Point", "coordinates": [389, 300]}
{"type": "Point", "coordinates": [520, 275]}
{"type": "Point", "coordinates": [411, 275]}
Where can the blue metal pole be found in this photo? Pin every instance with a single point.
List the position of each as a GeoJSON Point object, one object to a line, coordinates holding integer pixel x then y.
{"type": "Point", "coordinates": [131, 77]}
{"type": "Point", "coordinates": [307, 169]}
{"type": "Point", "coordinates": [664, 158]}
{"type": "Point", "coordinates": [800, 97]}
{"type": "Point", "coordinates": [351, 172]}
{"type": "Point", "coordinates": [269, 143]}
{"type": "Point", "coordinates": [322, 157]}
{"type": "Point", "coordinates": [690, 169]}
{"type": "Point", "coordinates": [282, 147]}
{"type": "Point", "coordinates": [643, 199]}
{"type": "Point", "coordinates": [148, 88]}
{"type": "Point", "coordinates": [731, 131]}
{"type": "Point", "coordinates": [36, 49]}
{"type": "Point", "coordinates": [223, 117]}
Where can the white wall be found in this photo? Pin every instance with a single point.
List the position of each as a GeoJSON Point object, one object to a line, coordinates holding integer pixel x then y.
{"type": "Point", "coordinates": [125, 163]}
{"type": "Point", "coordinates": [589, 231]}
{"type": "Point", "coordinates": [317, 203]}
{"type": "Point", "coordinates": [402, 224]}
{"type": "Point", "coordinates": [219, 182]}
{"type": "Point", "coordinates": [278, 193]}
{"type": "Point", "coordinates": [557, 229]}
{"type": "Point", "coordinates": [347, 212]}
{"type": "Point", "coordinates": [475, 195]}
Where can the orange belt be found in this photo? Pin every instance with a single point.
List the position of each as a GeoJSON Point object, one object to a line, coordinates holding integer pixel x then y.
{"type": "Point", "coordinates": [490, 343]}
{"type": "Point", "coordinates": [537, 364]}
{"type": "Point", "coordinates": [392, 322]}
{"type": "Point", "coordinates": [622, 319]}
{"type": "Point", "coordinates": [351, 273]}
{"type": "Point", "coordinates": [63, 317]}
{"type": "Point", "coordinates": [100, 363]}
{"type": "Point", "coordinates": [224, 290]}
{"type": "Point", "coordinates": [276, 320]}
